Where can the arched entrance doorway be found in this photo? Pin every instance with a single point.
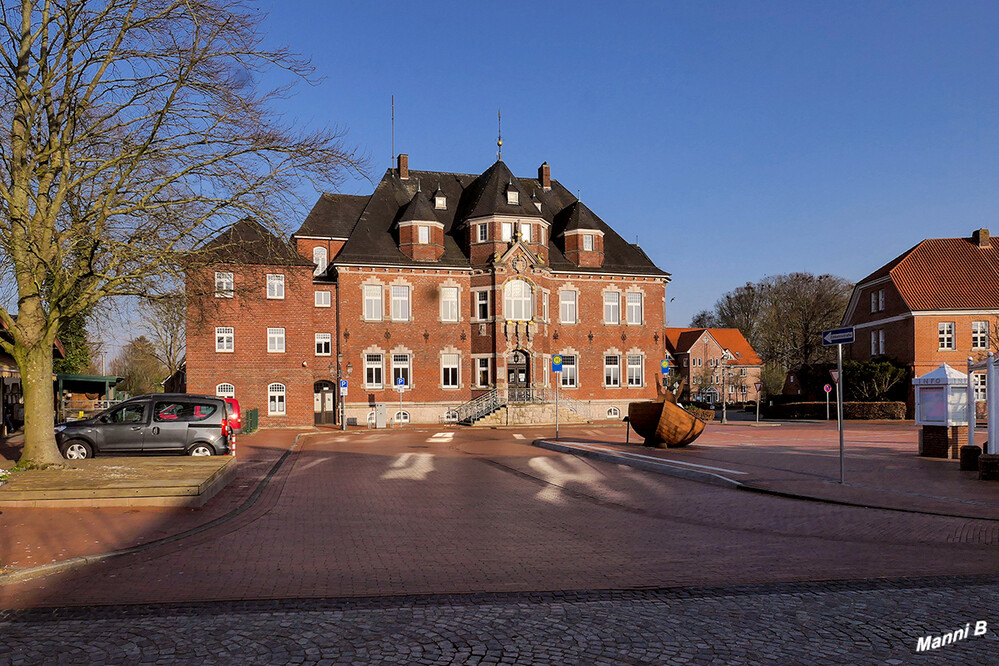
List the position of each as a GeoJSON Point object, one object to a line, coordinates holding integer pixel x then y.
{"type": "Point", "coordinates": [518, 375]}
{"type": "Point", "coordinates": [324, 402]}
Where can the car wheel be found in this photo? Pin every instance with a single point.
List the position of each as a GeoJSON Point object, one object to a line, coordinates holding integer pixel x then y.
{"type": "Point", "coordinates": [201, 450]}
{"type": "Point", "coordinates": [76, 449]}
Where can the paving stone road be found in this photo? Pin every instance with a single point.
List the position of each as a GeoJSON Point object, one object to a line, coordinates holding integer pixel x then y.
{"type": "Point", "coordinates": [804, 623]}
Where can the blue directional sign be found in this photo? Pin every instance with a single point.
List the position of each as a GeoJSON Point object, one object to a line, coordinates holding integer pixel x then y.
{"type": "Point", "coordinates": [556, 363]}
{"type": "Point", "coordinates": [664, 365]}
{"type": "Point", "coordinates": [837, 336]}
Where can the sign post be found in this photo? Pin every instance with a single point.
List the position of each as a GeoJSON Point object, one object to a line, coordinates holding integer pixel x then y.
{"type": "Point", "coordinates": [839, 337]}
{"type": "Point", "coordinates": [827, 389]}
{"type": "Point", "coordinates": [343, 407]}
{"type": "Point", "coordinates": [759, 396]}
{"type": "Point", "coordinates": [557, 369]}
{"type": "Point", "coordinates": [400, 386]}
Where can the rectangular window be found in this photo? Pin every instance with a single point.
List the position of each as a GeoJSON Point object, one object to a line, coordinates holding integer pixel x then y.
{"type": "Point", "coordinates": [400, 303]}
{"type": "Point", "coordinates": [569, 376]}
{"type": "Point", "coordinates": [423, 234]}
{"type": "Point", "coordinates": [634, 308]}
{"type": "Point", "coordinates": [979, 335]}
{"type": "Point", "coordinates": [275, 340]}
{"type": "Point", "coordinates": [324, 344]}
{"type": "Point", "coordinates": [612, 370]}
{"type": "Point", "coordinates": [224, 338]}
{"type": "Point", "coordinates": [483, 232]}
{"type": "Point", "coordinates": [323, 299]}
{"type": "Point", "coordinates": [275, 285]}
{"type": "Point", "coordinates": [881, 300]}
{"type": "Point", "coordinates": [874, 343]}
{"type": "Point", "coordinates": [945, 334]}
{"type": "Point", "coordinates": [449, 370]}
{"type": "Point", "coordinates": [544, 307]}
{"type": "Point", "coordinates": [567, 307]}
{"type": "Point", "coordinates": [881, 340]}
{"type": "Point", "coordinates": [400, 369]}
{"type": "Point", "coordinates": [449, 303]}
{"type": "Point", "coordinates": [874, 302]}
{"type": "Point", "coordinates": [223, 285]}
{"type": "Point", "coordinates": [275, 400]}
{"type": "Point", "coordinates": [525, 232]}
{"type": "Point", "coordinates": [482, 305]}
{"type": "Point", "coordinates": [635, 370]}
{"type": "Point", "coordinates": [483, 376]}
{"type": "Point", "coordinates": [612, 307]}
{"type": "Point", "coordinates": [980, 380]}
{"type": "Point", "coordinates": [373, 371]}
{"type": "Point", "coordinates": [588, 242]}
{"type": "Point", "coordinates": [507, 231]}
{"type": "Point", "coordinates": [742, 372]}
{"type": "Point", "coordinates": [373, 308]}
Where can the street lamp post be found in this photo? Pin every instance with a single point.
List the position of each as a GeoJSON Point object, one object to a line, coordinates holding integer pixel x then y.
{"type": "Point", "coordinates": [335, 370]}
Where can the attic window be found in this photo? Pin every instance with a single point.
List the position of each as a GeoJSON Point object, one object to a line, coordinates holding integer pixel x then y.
{"type": "Point", "coordinates": [423, 234]}
{"type": "Point", "coordinates": [440, 202]}
{"type": "Point", "coordinates": [588, 242]}
{"type": "Point", "coordinates": [512, 197]}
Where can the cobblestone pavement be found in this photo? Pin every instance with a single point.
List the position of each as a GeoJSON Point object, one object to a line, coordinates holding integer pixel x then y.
{"type": "Point", "coordinates": [805, 623]}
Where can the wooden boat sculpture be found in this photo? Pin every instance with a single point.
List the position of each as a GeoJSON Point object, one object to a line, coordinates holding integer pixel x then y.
{"type": "Point", "coordinates": [663, 422]}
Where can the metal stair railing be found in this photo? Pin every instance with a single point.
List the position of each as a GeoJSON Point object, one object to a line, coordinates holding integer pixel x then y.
{"type": "Point", "coordinates": [547, 396]}
{"type": "Point", "coordinates": [475, 409]}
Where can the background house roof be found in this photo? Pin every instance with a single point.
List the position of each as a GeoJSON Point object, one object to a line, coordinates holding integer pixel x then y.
{"type": "Point", "coordinates": [680, 340]}
{"type": "Point", "coordinates": [248, 242]}
{"type": "Point", "coordinates": [333, 216]}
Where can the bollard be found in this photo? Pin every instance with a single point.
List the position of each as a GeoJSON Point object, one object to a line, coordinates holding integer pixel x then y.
{"type": "Point", "coordinates": [627, 430]}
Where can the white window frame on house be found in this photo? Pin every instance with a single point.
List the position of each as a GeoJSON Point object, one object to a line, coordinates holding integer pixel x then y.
{"type": "Point", "coordinates": [612, 371]}
{"type": "Point", "coordinates": [449, 303]}
{"type": "Point", "coordinates": [225, 390]}
{"type": "Point", "coordinates": [506, 232]}
{"type": "Point", "coordinates": [483, 232]}
{"type": "Point", "coordinates": [225, 339]}
{"type": "Point", "coordinates": [980, 382]}
{"type": "Point", "coordinates": [742, 372]}
{"type": "Point", "coordinates": [440, 202]}
{"type": "Point", "coordinates": [612, 308]}
{"type": "Point", "coordinates": [525, 232]}
{"type": "Point", "coordinates": [633, 300]}
{"type": "Point", "coordinates": [275, 286]}
{"type": "Point", "coordinates": [224, 284]}
{"type": "Point", "coordinates": [401, 416]}
{"type": "Point", "coordinates": [588, 242]}
{"type": "Point", "coordinates": [979, 335]}
{"type": "Point", "coordinates": [874, 301]}
{"type": "Point", "coordinates": [518, 301]}
{"type": "Point", "coordinates": [483, 370]}
{"type": "Point", "coordinates": [402, 367]}
{"type": "Point", "coordinates": [275, 341]}
{"type": "Point", "coordinates": [324, 344]}
{"type": "Point", "coordinates": [513, 197]}
{"type": "Point", "coordinates": [320, 259]}
{"type": "Point", "coordinates": [874, 343]}
{"type": "Point", "coordinates": [324, 299]}
{"type": "Point", "coordinates": [373, 368]}
{"type": "Point", "coordinates": [635, 370]}
{"type": "Point", "coordinates": [613, 413]}
{"type": "Point", "coordinates": [482, 303]}
{"type": "Point", "coordinates": [544, 307]}
{"type": "Point", "coordinates": [451, 371]}
{"type": "Point", "coordinates": [276, 400]}
{"type": "Point", "coordinates": [423, 234]}
{"type": "Point", "coordinates": [400, 302]}
{"type": "Point", "coordinates": [567, 310]}
{"type": "Point", "coordinates": [374, 306]}
{"type": "Point", "coordinates": [881, 300]}
{"type": "Point", "coordinates": [570, 371]}
{"type": "Point", "coordinates": [881, 340]}
{"type": "Point", "coordinates": [945, 334]}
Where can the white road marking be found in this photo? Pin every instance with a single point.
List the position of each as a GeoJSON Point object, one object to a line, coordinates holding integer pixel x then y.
{"type": "Point", "coordinates": [665, 461]}
{"type": "Point", "coordinates": [413, 466]}
{"type": "Point", "coordinates": [442, 437]}
{"type": "Point", "coordinates": [517, 435]}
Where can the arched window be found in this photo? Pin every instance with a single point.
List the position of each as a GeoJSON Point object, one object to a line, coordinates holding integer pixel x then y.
{"type": "Point", "coordinates": [402, 417]}
{"type": "Point", "coordinates": [319, 259]}
{"type": "Point", "coordinates": [613, 413]}
{"type": "Point", "coordinates": [225, 390]}
{"type": "Point", "coordinates": [275, 400]}
{"type": "Point", "coordinates": [517, 301]}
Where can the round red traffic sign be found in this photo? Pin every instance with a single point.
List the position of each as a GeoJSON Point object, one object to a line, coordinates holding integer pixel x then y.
{"type": "Point", "coordinates": [827, 388]}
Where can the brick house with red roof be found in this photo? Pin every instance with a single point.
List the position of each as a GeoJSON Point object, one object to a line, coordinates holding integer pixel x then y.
{"type": "Point", "coordinates": [701, 355]}
{"type": "Point", "coordinates": [937, 302]}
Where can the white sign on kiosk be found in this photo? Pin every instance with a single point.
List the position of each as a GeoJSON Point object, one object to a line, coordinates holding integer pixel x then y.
{"type": "Point", "coordinates": [942, 397]}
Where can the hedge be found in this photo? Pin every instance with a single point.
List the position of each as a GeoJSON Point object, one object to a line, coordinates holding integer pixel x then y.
{"type": "Point", "coordinates": [705, 415]}
{"type": "Point", "coordinates": [851, 410]}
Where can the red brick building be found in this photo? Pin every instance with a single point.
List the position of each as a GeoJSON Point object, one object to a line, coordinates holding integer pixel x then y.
{"type": "Point", "coordinates": [457, 286]}
{"type": "Point", "coordinates": [716, 363]}
{"type": "Point", "coordinates": [935, 303]}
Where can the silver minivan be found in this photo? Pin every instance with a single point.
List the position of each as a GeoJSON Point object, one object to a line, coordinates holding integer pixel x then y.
{"type": "Point", "coordinates": [157, 424]}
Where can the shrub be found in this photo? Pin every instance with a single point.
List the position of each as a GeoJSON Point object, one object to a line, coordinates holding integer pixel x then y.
{"type": "Point", "coordinates": [851, 410]}
{"type": "Point", "coordinates": [705, 415]}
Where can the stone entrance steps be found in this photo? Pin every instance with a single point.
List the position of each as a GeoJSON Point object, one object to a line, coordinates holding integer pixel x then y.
{"type": "Point", "coordinates": [528, 414]}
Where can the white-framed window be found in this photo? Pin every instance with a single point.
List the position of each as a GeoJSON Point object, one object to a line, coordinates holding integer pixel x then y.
{"type": "Point", "coordinates": [980, 380]}
{"type": "Point", "coordinates": [588, 242]}
{"type": "Point", "coordinates": [400, 369]}
{"type": "Point", "coordinates": [742, 372]}
{"type": "Point", "coordinates": [224, 285]}
{"type": "Point", "coordinates": [979, 335]}
{"type": "Point", "coordinates": [612, 370]}
{"type": "Point", "coordinates": [324, 344]}
{"type": "Point", "coordinates": [569, 377]}
{"type": "Point", "coordinates": [400, 303]}
{"type": "Point", "coordinates": [373, 308]}
{"type": "Point", "coordinates": [567, 307]}
{"type": "Point", "coordinates": [482, 305]}
{"type": "Point", "coordinates": [450, 373]}
{"type": "Point", "coordinates": [512, 197]}
{"type": "Point", "coordinates": [544, 307]}
{"type": "Point", "coordinates": [612, 307]}
{"type": "Point", "coordinates": [423, 234]}
{"type": "Point", "coordinates": [874, 343]}
{"type": "Point", "coordinates": [517, 301]}
{"type": "Point", "coordinates": [319, 258]}
{"type": "Point", "coordinates": [225, 390]}
{"type": "Point", "coordinates": [874, 301]}
{"type": "Point", "coordinates": [525, 232]}
{"type": "Point", "coordinates": [324, 299]}
{"type": "Point", "coordinates": [541, 231]}
{"type": "Point", "coordinates": [225, 339]}
{"type": "Point", "coordinates": [449, 303]}
{"type": "Point", "coordinates": [373, 371]}
{"type": "Point", "coordinates": [507, 231]}
{"type": "Point", "coordinates": [881, 341]}
{"type": "Point", "coordinates": [482, 232]}
{"type": "Point", "coordinates": [881, 300]}
{"type": "Point", "coordinates": [275, 400]}
{"type": "Point", "coordinates": [440, 202]}
{"type": "Point", "coordinates": [635, 370]}
{"type": "Point", "coordinates": [275, 285]}
{"type": "Point", "coordinates": [945, 334]}
{"type": "Point", "coordinates": [634, 308]}
{"type": "Point", "coordinates": [613, 413]}
{"type": "Point", "coordinates": [275, 340]}
{"type": "Point", "coordinates": [483, 371]}
{"type": "Point", "coordinates": [401, 417]}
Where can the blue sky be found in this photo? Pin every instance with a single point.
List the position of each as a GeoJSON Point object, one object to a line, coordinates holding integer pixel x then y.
{"type": "Point", "coordinates": [734, 139]}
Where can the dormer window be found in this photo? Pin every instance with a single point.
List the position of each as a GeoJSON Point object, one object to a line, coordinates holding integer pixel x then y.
{"type": "Point", "coordinates": [588, 242]}
{"type": "Point", "coordinates": [440, 201]}
{"type": "Point", "coordinates": [423, 234]}
{"type": "Point", "coordinates": [512, 196]}
{"type": "Point", "coordinates": [483, 232]}
{"type": "Point", "coordinates": [507, 231]}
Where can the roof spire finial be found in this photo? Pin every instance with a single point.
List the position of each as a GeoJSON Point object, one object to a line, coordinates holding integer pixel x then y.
{"type": "Point", "coordinates": [499, 139]}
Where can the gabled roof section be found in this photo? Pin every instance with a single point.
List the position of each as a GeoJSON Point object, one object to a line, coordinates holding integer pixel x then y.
{"type": "Point", "coordinates": [418, 209]}
{"type": "Point", "coordinates": [580, 218]}
{"type": "Point", "coordinates": [680, 341]}
{"type": "Point", "coordinates": [491, 195]}
{"type": "Point", "coordinates": [248, 242]}
{"type": "Point", "coordinates": [620, 256]}
{"type": "Point", "coordinates": [333, 216]}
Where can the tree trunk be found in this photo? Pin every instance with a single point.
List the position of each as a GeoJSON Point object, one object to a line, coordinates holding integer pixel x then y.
{"type": "Point", "coordinates": [39, 406]}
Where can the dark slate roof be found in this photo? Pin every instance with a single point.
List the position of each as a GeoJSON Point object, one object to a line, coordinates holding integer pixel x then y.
{"type": "Point", "coordinates": [418, 210]}
{"type": "Point", "coordinates": [333, 216]}
{"type": "Point", "coordinates": [578, 217]}
{"type": "Point", "coordinates": [248, 242]}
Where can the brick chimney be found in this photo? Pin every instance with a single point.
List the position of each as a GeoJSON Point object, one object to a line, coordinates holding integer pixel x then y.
{"type": "Point", "coordinates": [403, 166]}
{"type": "Point", "coordinates": [980, 237]}
{"type": "Point", "coordinates": [545, 176]}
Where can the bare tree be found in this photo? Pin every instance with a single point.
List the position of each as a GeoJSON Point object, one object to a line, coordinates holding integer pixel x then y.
{"type": "Point", "coordinates": [163, 322]}
{"type": "Point", "coordinates": [137, 129]}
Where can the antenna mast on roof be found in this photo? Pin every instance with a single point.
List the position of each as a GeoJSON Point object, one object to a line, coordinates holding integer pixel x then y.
{"type": "Point", "coordinates": [499, 140]}
{"type": "Point", "coordinates": [392, 161]}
